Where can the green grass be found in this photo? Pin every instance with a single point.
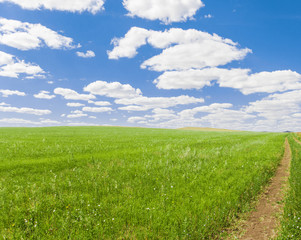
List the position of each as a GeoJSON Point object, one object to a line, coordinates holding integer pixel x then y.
{"type": "Point", "coordinates": [291, 224]}
{"type": "Point", "coordinates": [129, 183]}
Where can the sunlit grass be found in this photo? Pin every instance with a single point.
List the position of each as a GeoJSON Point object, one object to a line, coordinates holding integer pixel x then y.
{"type": "Point", "coordinates": [111, 183]}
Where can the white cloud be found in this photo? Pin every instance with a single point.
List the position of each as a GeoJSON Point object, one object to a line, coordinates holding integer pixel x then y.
{"type": "Point", "coordinates": [213, 108]}
{"type": "Point", "coordinates": [234, 78]}
{"type": "Point", "coordinates": [185, 79]}
{"type": "Point", "coordinates": [217, 115]}
{"type": "Point", "coordinates": [6, 58]}
{"type": "Point", "coordinates": [228, 118]}
{"type": "Point", "coordinates": [88, 54]}
{"type": "Point", "coordinates": [92, 6]}
{"type": "Point", "coordinates": [183, 49]}
{"type": "Point", "coordinates": [132, 108]}
{"type": "Point", "coordinates": [23, 122]}
{"type": "Point", "coordinates": [92, 117]}
{"type": "Point", "coordinates": [208, 16]}
{"type": "Point", "coordinates": [70, 94]}
{"type": "Point", "coordinates": [24, 110]}
{"type": "Point", "coordinates": [49, 122]}
{"type": "Point", "coordinates": [6, 92]}
{"type": "Point", "coordinates": [10, 66]}
{"type": "Point", "coordinates": [82, 124]}
{"type": "Point", "coordinates": [44, 95]}
{"type": "Point", "coordinates": [25, 36]}
{"type": "Point", "coordinates": [268, 82]}
{"type": "Point", "coordinates": [159, 114]}
{"type": "Point", "coordinates": [166, 11]}
{"type": "Point", "coordinates": [75, 104]}
{"type": "Point", "coordinates": [135, 108]}
{"type": "Point", "coordinates": [128, 45]}
{"type": "Point", "coordinates": [277, 112]}
{"type": "Point", "coordinates": [145, 103]}
{"type": "Point", "coordinates": [97, 109]}
{"type": "Point", "coordinates": [277, 106]}
{"type": "Point", "coordinates": [100, 103]}
{"type": "Point", "coordinates": [8, 121]}
{"type": "Point", "coordinates": [297, 115]}
{"type": "Point", "coordinates": [4, 104]}
{"type": "Point", "coordinates": [135, 119]}
{"type": "Point", "coordinates": [113, 89]}
{"type": "Point", "coordinates": [77, 114]}
{"type": "Point", "coordinates": [194, 55]}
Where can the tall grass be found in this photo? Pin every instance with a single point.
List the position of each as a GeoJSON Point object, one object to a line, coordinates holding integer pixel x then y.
{"type": "Point", "coordinates": [129, 183]}
{"type": "Point", "coordinates": [291, 225]}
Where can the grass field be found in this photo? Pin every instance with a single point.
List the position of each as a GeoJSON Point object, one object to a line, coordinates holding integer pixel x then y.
{"type": "Point", "coordinates": [291, 225]}
{"type": "Point", "coordinates": [129, 183]}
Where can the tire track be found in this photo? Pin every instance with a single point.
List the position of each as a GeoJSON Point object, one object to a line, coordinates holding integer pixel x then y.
{"type": "Point", "coordinates": [264, 222]}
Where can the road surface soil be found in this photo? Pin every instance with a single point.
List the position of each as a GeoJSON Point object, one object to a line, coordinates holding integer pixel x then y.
{"type": "Point", "coordinates": [264, 222]}
{"type": "Point", "coordinates": [297, 140]}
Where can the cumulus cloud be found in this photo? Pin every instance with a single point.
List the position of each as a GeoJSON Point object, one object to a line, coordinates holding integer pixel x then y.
{"type": "Point", "coordinates": [159, 114]}
{"type": "Point", "coordinates": [6, 58]}
{"type": "Point", "coordinates": [213, 108]}
{"type": "Point", "coordinates": [97, 109]}
{"type": "Point", "coordinates": [113, 89]}
{"type": "Point", "coordinates": [75, 104]}
{"type": "Point", "coordinates": [132, 108]}
{"type": "Point", "coordinates": [49, 121]}
{"type": "Point", "coordinates": [4, 104]}
{"type": "Point", "coordinates": [10, 66]}
{"type": "Point", "coordinates": [88, 54]}
{"type": "Point", "coordinates": [25, 36]}
{"type": "Point", "coordinates": [277, 106]}
{"type": "Point", "coordinates": [9, 121]}
{"type": "Point", "coordinates": [183, 49]}
{"type": "Point", "coordinates": [77, 114]}
{"type": "Point", "coordinates": [128, 45]}
{"type": "Point", "coordinates": [24, 122]}
{"type": "Point", "coordinates": [70, 94]}
{"type": "Point", "coordinates": [166, 11]}
{"type": "Point", "coordinates": [242, 79]}
{"type": "Point", "coordinates": [208, 16]}
{"type": "Point", "coordinates": [194, 55]}
{"type": "Point", "coordinates": [219, 115]}
{"type": "Point", "coordinates": [24, 110]}
{"type": "Point", "coordinates": [6, 92]}
{"type": "Point", "coordinates": [135, 119]}
{"type": "Point", "coordinates": [81, 124]}
{"type": "Point", "coordinates": [44, 95]}
{"type": "Point", "coordinates": [277, 81]}
{"type": "Point", "coordinates": [92, 6]}
{"type": "Point", "coordinates": [276, 112]}
{"type": "Point", "coordinates": [100, 103]}
{"type": "Point", "coordinates": [227, 117]}
{"type": "Point", "coordinates": [145, 103]}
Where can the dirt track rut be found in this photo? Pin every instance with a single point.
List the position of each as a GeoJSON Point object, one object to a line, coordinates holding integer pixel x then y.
{"type": "Point", "coordinates": [263, 223]}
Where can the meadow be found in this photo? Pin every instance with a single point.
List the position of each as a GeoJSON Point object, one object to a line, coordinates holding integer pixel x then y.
{"type": "Point", "coordinates": [130, 183]}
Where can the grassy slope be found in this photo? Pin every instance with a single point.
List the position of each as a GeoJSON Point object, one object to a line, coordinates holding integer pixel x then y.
{"type": "Point", "coordinates": [108, 183]}
{"type": "Point", "coordinates": [291, 225]}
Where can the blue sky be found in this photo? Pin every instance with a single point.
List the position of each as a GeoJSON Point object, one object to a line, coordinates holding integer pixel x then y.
{"type": "Point", "coordinates": [223, 64]}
